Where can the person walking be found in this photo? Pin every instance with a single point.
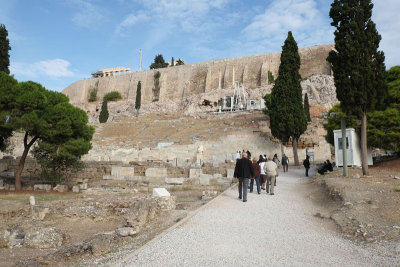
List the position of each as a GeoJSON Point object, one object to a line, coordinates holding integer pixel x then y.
{"type": "Point", "coordinates": [243, 171]}
{"type": "Point", "coordinates": [263, 177]}
{"type": "Point", "coordinates": [271, 170]}
{"type": "Point", "coordinates": [237, 155]}
{"type": "Point", "coordinates": [306, 164]}
{"type": "Point", "coordinates": [256, 177]}
{"type": "Point", "coordinates": [278, 163]}
{"type": "Point", "coordinates": [285, 163]}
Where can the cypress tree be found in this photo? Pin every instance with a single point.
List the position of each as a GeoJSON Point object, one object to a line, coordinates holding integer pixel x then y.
{"type": "Point", "coordinates": [104, 112]}
{"type": "Point", "coordinates": [4, 48]}
{"type": "Point", "coordinates": [172, 62]}
{"type": "Point", "coordinates": [357, 64]}
{"type": "Point", "coordinates": [307, 108]}
{"type": "Point", "coordinates": [287, 117]}
{"type": "Point", "coordinates": [138, 97]}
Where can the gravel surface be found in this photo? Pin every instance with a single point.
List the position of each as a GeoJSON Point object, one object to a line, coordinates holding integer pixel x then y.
{"type": "Point", "coordinates": [267, 230]}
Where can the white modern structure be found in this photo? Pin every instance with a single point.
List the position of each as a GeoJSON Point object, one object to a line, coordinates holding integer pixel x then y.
{"type": "Point", "coordinates": [353, 148]}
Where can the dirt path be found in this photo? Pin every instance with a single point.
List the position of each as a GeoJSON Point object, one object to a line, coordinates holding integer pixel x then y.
{"type": "Point", "coordinates": [266, 231]}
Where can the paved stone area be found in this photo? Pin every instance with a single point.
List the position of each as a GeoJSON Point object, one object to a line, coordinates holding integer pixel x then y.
{"type": "Point", "coordinates": [277, 230]}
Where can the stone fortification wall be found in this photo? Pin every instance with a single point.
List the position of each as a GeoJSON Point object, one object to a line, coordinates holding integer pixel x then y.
{"type": "Point", "coordinates": [179, 82]}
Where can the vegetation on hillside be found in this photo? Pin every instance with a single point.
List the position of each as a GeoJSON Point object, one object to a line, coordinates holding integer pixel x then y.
{"type": "Point", "coordinates": [112, 96]}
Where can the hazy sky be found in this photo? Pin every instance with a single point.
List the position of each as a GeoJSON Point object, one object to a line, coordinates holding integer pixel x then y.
{"type": "Point", "coordinates": [57, 42]}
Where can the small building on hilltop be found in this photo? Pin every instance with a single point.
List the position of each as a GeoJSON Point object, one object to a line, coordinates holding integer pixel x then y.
{"type": "Point", "coordinates": [111, 72]}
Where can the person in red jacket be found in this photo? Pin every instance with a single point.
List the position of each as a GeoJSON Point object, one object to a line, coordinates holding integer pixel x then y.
{"type": "Point", "coordinates": [257, 172]}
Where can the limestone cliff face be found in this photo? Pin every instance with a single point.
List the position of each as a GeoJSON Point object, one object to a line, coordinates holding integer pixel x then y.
{"type": "Point", "coordinates": [178, 82]}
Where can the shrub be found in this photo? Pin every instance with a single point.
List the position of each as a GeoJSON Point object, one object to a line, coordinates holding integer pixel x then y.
{"type": "Point", "coordinates": [112, 96]}
{"type": "Point", "coordinates": [92, 94]}
{"type": "Point", "coordinates": [271, 78]}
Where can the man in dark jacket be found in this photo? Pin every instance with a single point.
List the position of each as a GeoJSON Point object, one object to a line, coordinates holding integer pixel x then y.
{"type": "Point", "coordinates": [243, 171]}
{"type": "Point", "coordinates": [306, 164]}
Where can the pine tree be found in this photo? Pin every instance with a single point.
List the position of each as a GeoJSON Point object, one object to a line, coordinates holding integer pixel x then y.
{"type": "Point", "coordinates": [4, 48]}
{"type": "Point", "coordinates": [287, 117]}
{"type": "Point", "coordinates": [103, 117]}
{"type": "Point", "coordinates": [307, 108]}
{"type": "Point", "coordinates": [159, 62]}
{"type": "Point", "coordinates": [138, 97]}
{"type": "Point", "coordinates": [357, 64]}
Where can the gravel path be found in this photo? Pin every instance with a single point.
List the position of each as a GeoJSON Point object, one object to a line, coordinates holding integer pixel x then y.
{"type": "Point", "coordinates": [277, 230]}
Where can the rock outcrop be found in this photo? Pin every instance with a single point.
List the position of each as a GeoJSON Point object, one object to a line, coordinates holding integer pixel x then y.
{"type": "Point", "coordinates": [179, 82]}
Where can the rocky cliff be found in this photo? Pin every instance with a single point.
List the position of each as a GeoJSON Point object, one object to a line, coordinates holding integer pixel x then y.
{"type": "Point", "coordinates": [179, 82]}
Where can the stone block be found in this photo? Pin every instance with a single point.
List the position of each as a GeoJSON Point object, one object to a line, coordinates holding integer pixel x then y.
{"type": "Point", "coordinates": [174, 181]}
{"type": "Point", "coordinates": [156, 172]}
{"type": "Point", "coordinates": [3, 166]}
{"type": "Point", "coordinates": [61, 188]}
{"type": "Point", "coordinates": [119, 173]}
{"type": "Point", "coordinates": [75, 189]}
{"type": "Point", "coordinates": [195, 173]}
{"type": "Point", "coordinates": [7, 174]}
{"type": "Point", "coordinates": [39, 187]}
{"type": "Point", "coordinates": [217, 175]}
{"type": "Point", "coordinates": [230, 173]}
{"type": "Point", "coordinates": [160, 192]}
{"type": "Point", "coordinates": [107, 177]}
{"type": "Point", "coordinates": [83, 186]}
{"type": "Point", "coordinates": [180, 162]}
{"type": "Point", "coordinates": [224, 180]}
{"type": "Point", "coordinates": [204, 179]}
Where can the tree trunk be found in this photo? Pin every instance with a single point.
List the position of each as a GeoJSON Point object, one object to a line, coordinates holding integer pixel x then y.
{"type": "Point", "coordinates": [21, 163]}
{"type": "Point", "coordinates": [364, 152]}
{"type": "Point", "coordinates": [296, 157]}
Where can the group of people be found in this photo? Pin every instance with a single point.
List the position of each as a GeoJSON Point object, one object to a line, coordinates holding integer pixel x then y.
{"type": "Point", "coordinates": [262, 171]}
{"type": "Point", "coordinates": [327, 166]}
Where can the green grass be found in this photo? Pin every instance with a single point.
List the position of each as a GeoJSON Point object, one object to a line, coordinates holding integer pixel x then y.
{"type": "Point", "coordinates": [369, 201]}
{"type": "Point", "coordinates": [396, 190]}
{"type": "Point", "coordinates": [39, 197]}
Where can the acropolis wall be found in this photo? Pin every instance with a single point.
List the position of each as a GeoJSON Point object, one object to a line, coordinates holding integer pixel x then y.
{"type": "Point", "coordinates": [180, 81]}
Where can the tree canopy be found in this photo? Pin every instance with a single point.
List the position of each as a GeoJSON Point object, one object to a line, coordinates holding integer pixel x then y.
{"type": "Point", "coordinates": [4, 49]}
{"type": "Point", "coordinates": [286, 113]}
{"type": "Point", "coordinates": [383, 130]}
{"type": "Point", "coordinates": [159, 62]}
{"type": "Point", "coordinates": [43, 116]}
{"type": "Point", "coordinates": [357, 64]}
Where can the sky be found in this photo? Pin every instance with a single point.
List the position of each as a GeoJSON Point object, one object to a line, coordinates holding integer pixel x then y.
{"type": "Point", "coordinates": [58, 42]}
